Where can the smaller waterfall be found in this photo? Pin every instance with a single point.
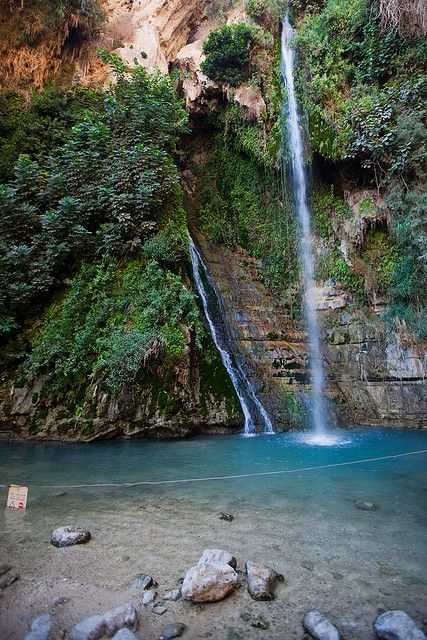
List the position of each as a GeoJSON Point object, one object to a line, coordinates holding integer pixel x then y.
{"type": "Point", "coordinates": [296, 148]}
{"type": "Point", "coordinates": [215, 317]}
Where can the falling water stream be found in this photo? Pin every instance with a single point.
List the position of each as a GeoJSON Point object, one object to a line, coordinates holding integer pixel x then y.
{"type": "Point", "coordinates": [215, 317]}
{"type": "Point", "coordinates": [296, 149]}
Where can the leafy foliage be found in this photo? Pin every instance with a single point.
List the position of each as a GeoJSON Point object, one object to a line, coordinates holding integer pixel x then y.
{"type": "Point", "coordinates": [98, 194]}
{"type": "Point", "coordinates": [228, 51]}
{"type": "Point", "coordinates": [114, 322]}
{"type": "Point", "coordinates": [267, 13]}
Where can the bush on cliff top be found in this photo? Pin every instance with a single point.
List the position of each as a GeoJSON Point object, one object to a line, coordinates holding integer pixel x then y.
{"type": "Point", "coordinates": [228, 51]}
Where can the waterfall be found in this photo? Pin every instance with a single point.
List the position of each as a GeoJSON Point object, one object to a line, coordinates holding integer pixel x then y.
{"type": "Point", "coordinates": [251, 405]}
{"type": "Point", "coordinates": [296, 148]}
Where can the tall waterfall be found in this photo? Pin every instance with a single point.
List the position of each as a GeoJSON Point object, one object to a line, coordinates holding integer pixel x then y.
{"type": "Point", "coordinates": [252, 406]}
{"type": "Point", "coordinates": [296, 148]}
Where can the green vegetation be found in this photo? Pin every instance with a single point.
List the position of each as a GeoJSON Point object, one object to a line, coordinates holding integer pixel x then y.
{"type": "Point", "coordinates": [228, 52]}
{"type": "Point", "coordinates": [114, 322]}
{"type": "Point", "coordinates": [363, 87]}
{"type": "Point", "coordinates": [103, 193]}
{"type": "Point", "coordinates": [267, 13]}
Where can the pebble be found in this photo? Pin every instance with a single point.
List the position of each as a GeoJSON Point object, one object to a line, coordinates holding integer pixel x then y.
{"type": "Point", "coordinates": [228, 517]}
{"type": "Point", "coordinates": [8, 580]}
{"type": "Point", "coordinates": [173, 595]}
{"type": "Point", "coordinates": [306, 564]}
{"type": "Point", "coordinates": [142, 582]}
{"type": "Point", "coordinates": [261, 581]}
{"type": "Point", "coordinates": [149, 596]}
{"type": "Point", "coordinates": [159, 609]}
{"type": "Point", "coordinates": [173, 631]}
{"type": "Point", "coordinates": [60, 600]}
{"type": "Point", "coordinates": [4, 568]}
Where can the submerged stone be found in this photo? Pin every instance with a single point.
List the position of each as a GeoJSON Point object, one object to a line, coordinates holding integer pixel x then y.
{"type": "Point", "coordinates": [68, 536]}
{"type": "Point", "coordinates": [172, 595]}
{"type": "Point", "coordinates": [212, 579]}
{"type": "Point", "coordinates": [218, 555]}
{"type": "Point", "coordinates": [363, 505]}
{"type": "Point", "coordinates": [125, 634]}
{"type": "Point", "coordinates": [228, 517]}
{"type": "Point", "coordinates": [142, 582]}
{"type": "Point", "coordinates": [397, 625]}
{"type": "Point", "coordinates": [8, 580]}
{"type": "Point", "coordinates": [319, 627]}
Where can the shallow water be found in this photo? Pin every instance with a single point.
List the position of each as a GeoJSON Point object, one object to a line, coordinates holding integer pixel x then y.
{"type": "Point", "coordinates": [358, 561]}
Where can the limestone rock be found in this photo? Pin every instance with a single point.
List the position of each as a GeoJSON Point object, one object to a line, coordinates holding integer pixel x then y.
{"type": "Point", "coordinates": [173, 631]}
{"type": "Point", "coordinates": [261, 581]}
{"type": "Point", "coordinates": [108, 624]}
{"type": "Point", "coordinates": [397, 625]}
{"type": "Point", "coordinates": [217, 555]}
{"type": "Point", "coordinates": [149, 596]}
{"type": "Point", "coordinates": [68, 535]}
{"type": "Point", "coordinates": [319, 627]}
{"type": "Point", "coordinates": [40, 628]}
{"type": "Point", "coordinates": [142, 582]}
{"type": "Point", "coordinates": [209, 582]}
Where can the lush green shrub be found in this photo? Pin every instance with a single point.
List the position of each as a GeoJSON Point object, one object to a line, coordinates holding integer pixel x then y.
{"type": "Point", "coordinates": [113, 323]}
{"type": "Point", "coordinates": [267, 13]}
{"type": "Point", "coordinates": [101, 193]}
{"type": "Point", "coordinates": [228, 52]}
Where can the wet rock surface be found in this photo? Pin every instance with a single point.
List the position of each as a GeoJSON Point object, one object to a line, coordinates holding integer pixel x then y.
{"type": "Point", "coordinates": [218, 555]}
{"type": "Point", "coordinates": [397, 625]}
{"type": "Point", "coordinates": [68, 536]}
{"type": "Point", "coordinates": [364, 505]}
{"type": "Point", "coordinates": [261, 580]}
{"type": "Point", "coordinates": [319, 627]}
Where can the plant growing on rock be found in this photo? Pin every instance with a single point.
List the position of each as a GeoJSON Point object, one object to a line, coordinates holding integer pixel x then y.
{"type": "Point", "coordinates": [228, 53]}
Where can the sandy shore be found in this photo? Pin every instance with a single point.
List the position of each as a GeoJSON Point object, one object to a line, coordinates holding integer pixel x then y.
{"type": "Point", "coordinates": [341, 566]}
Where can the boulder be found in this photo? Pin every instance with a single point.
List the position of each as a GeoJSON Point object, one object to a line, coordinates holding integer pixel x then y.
{"type": "Point", "coordinates": [40, 628]}
{"type": "Point", "coordinates": [108, 623]}
{"type": "Point", "coordinates": [397, 625]}
{"type": "Point", "coordinates": [209, 582]}
{"type": "Point", "coordinates": [217, 555]}
{"type": "Point", "coordinates": [319, 627]}
{"type": "Point", "coordinates": [261, 581]}
{"type": "Point", "coordinates": [68, 536]}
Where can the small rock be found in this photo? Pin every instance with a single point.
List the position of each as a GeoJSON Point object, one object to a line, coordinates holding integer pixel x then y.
{"type": "Point", "coordinates": [125, 634]}
{"type": "Point", "coordinates": [209, 582]}
{"type": "Point", "coordinates": [217, 555]}
{"type": "Point", "coordinates": [233, 635]}
{"type": "Point", "coordinates": [159, 609]}
{"type": "Point", "coordinates": [4, 568]}
{"type": "Point", "coordinates": [319, 627]}
{"type": "Point", "coordinates": [228, 517]}
{"type": "Point", "coordinates": [397, 625]}
{"type": "Point", "coordinates": [8, 580]}
{"type": "Point", "coordinates": [337, 575]}
{"type": "Point", "coordinates": [68, 536]}
{"type": "Point", "coordinates": [365, 506]}
{"type": "Point", "coordinates": [246, 615]}
{"type": "Point", "coordinates": [40, 628]}
{"type": "Point", "coordinates": [142, 582]}
{"type": "Point", "coordinates": [306, 564]}
{"type": "Point", "coordinates": [259, 622]}
{"type": "Point", "coordinates": [107, 624]}
{"type": "Point", "coordinates": [173, 631]}
{"type": "Point", "coordinates": [261, 581]}
{"type": "Point", "coordinates": [173, 595]}
{"type": "Point", "coordinates": [149, 596]}
{"type": "Point", "coordinates": [60, 600]}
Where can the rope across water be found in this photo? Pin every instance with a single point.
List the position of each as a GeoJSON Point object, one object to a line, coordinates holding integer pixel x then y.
{"type": "Point", "coordinates": [230, 477]}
